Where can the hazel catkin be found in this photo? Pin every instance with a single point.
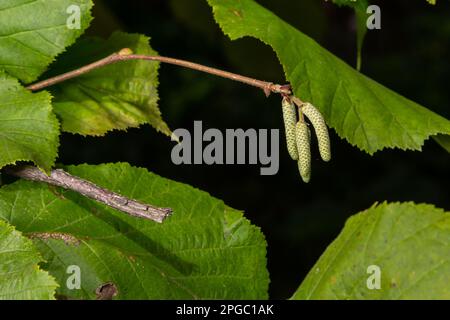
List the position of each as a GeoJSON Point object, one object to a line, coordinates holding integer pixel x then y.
{"type": "Point", "coordinates": [320, 129]}
{"type": "Point", "coordinates": [290, 119]}
{"type": "Point", "coordinates": [303, 137]}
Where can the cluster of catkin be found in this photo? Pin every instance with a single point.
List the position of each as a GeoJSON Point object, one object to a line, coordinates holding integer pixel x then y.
{"type": "Point", "coordinates": [298, 135]}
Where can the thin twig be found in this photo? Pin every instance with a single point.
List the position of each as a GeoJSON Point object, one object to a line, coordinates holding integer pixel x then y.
{"type": "Point", "coordinates": [63, 179]}
{"type": "Point", "coordinates": [125, 54]}
{"type": "Point", "coordinates": [60, 178]}
{"type": "Point", "coordinates": [297, 101]}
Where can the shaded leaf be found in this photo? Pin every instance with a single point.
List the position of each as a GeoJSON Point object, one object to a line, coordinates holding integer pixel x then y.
{"type": "Point", "coordinates": [33, 33]}
{"type": "Point", "coordinates": [117, 96]}
{"type": "Point", "coordinates": [20, 276]}
{"type": "Point", "coordinates": [443, 140]}
{"type": "Point", "coordinates": [362, 111]}
{"type": "Point", "coordinates": [28, 128]}
{"type": "Point", "coordinates": [360, 8]}
{"type": "Point", "coordinates": [361, 30]}
{"type": "Point", "coordinates": [409, 243]}
{"type": "Point", "coordinates": [204, 250]}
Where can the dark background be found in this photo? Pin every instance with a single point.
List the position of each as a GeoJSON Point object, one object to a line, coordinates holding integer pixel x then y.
{"type": "Point", "coordinates": [409, 54]}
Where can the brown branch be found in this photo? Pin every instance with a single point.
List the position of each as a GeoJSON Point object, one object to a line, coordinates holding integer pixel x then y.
{"type": "Point", "coordinates": [126, 54]}
{"type": "Point", "coordinates": [65, 180]}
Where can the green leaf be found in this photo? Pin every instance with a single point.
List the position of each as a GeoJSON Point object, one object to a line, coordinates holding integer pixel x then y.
{"type": "Point", "coordinates": [204, 250]}
{"type": "Point", "coordinates": [20, 276]}
{"type": "Point", "coordinates": [28, 128]}
{"type": "Point", "coordinates": [33, 33]}
{"type": "Point", "coordinates": [361, 110]}
{"type": "Point", "coordinates": [117, 96]}
{"type": "Point", "coordinates": [409, 243]}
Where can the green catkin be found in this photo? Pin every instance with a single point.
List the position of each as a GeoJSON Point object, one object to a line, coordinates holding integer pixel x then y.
{"type": "Point", "coordinates": [290, 119]}
{"type": "Point", "coordinates": [320, 128]}
{"type": "Point", "coordinates": [303, 137]}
